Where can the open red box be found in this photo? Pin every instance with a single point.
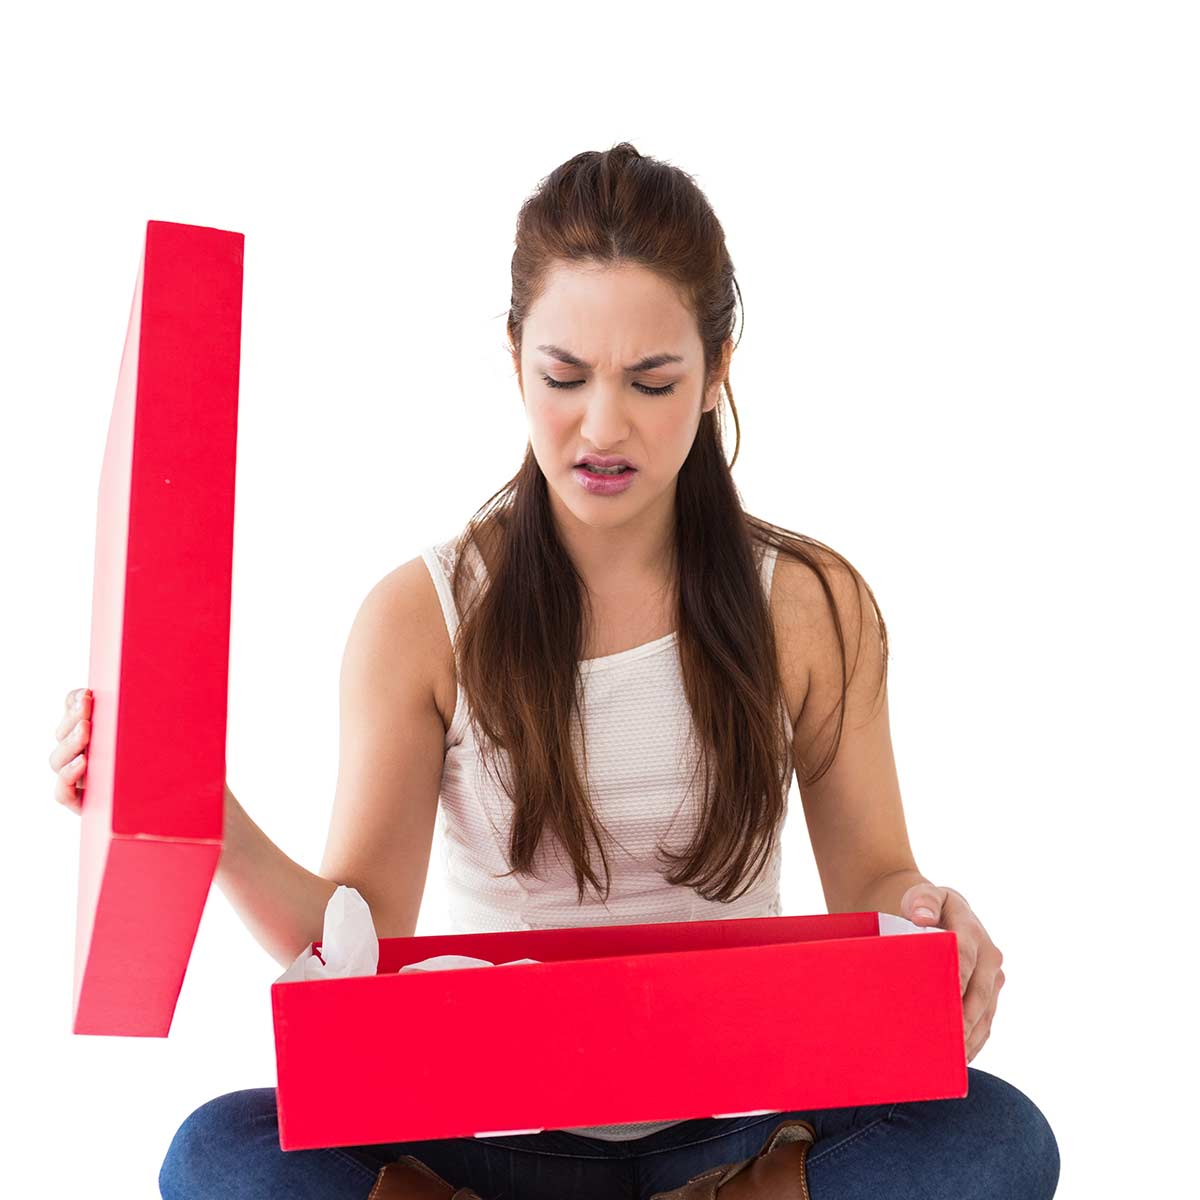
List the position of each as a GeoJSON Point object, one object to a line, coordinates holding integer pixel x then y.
{"type": "Point", "coordinates": [620, 1023]}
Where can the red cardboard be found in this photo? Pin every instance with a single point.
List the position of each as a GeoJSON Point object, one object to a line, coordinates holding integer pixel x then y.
{"type": "Point", "coordinates": [153, 806]}
{"type": "Point", "coordinates": [620, 1023]}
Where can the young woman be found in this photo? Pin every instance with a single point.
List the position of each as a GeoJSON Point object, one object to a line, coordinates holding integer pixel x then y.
{"type": "Point", "coordinates": [603, 687]}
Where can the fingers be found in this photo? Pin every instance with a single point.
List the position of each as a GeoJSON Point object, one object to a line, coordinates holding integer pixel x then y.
{"type": "Point", "coordinates": [71, 714]}
{"type": "Point", "coordinates": [983, 1027]}
{"type": "Point", "coordinates": [66, 787]}
{"type": "Point", "coordinates": [74, 743]}
{"type": "Point", "coordinates": [68, 759]}
{"type": "Point", "coordinates": [968, 962]}
{"type": "Point", "coordinates": [981, 987]}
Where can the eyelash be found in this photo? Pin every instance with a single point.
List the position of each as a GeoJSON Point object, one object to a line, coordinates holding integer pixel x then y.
{"type": "Point", "coordinates": [647, 391]}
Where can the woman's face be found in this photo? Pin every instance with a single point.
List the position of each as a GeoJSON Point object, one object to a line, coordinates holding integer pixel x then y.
{"type": "Point", "coordinates": [612, 364]}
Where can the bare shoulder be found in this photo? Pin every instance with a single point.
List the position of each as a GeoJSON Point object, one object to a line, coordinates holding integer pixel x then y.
{"type": "Point", "coordinates": [804, 602]}
{"type": "Point", "coordinates": [805, 593]}
{"type": "Point", "coordinates": [405, 613]}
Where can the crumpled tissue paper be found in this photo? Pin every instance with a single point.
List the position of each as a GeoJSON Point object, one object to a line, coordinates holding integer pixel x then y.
{"type": "Point", "coordinates": [441, 962]}
{"type": "Point", "coordinates": [348, 942]}
{"type": "Point", "coordinates": [350, 946]}
{"type": "Point", "coordinates": [891, 923]}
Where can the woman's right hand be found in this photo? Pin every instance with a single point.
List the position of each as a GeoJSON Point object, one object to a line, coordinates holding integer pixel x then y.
{"type": "Point", "coordinates": [68, 760]}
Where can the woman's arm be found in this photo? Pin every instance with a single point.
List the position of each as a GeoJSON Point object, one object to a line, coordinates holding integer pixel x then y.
{"type": "Point", "coordinates": [281, 903]}
{"type": "Point", "coordinates": [854, 813]}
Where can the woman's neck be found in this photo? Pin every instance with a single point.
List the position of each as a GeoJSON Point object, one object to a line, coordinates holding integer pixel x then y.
{"type": "Point", "coordinates": [623, 562]}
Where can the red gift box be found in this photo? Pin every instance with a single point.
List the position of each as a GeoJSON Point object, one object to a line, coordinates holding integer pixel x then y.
{"type": "Point", "coordinates": [620, 1023]}
{"type": "Point", "coordinates": [153, 807]}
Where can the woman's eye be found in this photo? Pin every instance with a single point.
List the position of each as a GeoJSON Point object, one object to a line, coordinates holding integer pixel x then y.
{"type": "Point", "coordinates": [649, 391]}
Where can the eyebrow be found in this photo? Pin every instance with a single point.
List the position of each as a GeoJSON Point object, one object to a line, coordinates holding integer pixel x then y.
{"type": "Point", "coordinates": [646, 364]}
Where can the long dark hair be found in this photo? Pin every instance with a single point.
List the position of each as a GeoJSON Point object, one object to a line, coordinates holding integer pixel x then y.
{"type": "Point", "coordinates": [520, 638]}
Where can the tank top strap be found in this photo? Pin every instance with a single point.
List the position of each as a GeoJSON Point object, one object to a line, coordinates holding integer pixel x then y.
{"type": "Point", "coordinates": [440, 558]}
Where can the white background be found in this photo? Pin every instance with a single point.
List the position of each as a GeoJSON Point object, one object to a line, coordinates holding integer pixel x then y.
{"type": "Point", "coordinates": [966, 239]}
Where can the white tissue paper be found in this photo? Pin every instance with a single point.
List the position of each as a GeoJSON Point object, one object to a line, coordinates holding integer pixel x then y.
{"type": "Point", "coordinates": [348, 942]}
{"type": "Point", "coordinates": [441, 962]}
{"type": "Point", "coordinates": [350, 946]}
{"type": "Point", "coordinates": [890, 923]}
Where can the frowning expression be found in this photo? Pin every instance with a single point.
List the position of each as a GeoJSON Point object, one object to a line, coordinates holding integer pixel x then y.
{"type": "Point", "coordinates": [612, 365]}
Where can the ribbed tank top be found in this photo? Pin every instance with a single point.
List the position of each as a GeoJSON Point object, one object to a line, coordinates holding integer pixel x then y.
{"type": "Point", "coordinates": [641, 755]}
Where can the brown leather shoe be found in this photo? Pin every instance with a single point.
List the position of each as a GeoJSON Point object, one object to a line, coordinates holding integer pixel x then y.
{"type": "Point", "coordinates": [779, 1171]}
{"type": "Point", "coordinates": [410, 1179]}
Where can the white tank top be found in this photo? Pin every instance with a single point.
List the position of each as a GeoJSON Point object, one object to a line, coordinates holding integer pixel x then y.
{"type": "Point", "coordinates": [639, 731]}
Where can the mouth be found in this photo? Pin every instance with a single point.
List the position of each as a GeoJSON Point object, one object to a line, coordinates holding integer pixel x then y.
{"type": "Point", "coordinates": [613, 482]}
{"type": "Point", "coordinates": [603, 468]}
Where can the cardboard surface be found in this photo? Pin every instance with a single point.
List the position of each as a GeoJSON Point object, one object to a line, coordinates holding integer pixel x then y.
{"type": "Point", "coordinates": [618, 1023]}
{"type": "Point", "coordinates": [153, 806]}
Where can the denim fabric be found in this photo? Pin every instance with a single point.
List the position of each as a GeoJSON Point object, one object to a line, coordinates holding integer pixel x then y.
{"type": "Point", "coordinates": [992, 1144]}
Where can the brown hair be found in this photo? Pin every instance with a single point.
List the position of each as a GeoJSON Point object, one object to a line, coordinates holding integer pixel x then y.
{"type": "Point", "coordinates": [520, 638]}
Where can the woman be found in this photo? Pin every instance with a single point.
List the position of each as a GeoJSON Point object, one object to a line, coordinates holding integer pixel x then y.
{"type": "Point", "coordinates": [614, 599]}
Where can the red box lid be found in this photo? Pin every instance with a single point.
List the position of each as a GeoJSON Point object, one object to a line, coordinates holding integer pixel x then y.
{"type": "Point", "coordinates": [620, 1023]}
{"type": "Point", "coordinates": [153, 807]}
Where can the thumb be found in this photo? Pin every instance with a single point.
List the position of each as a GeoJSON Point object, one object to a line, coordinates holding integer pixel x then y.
{"type": "Point", "coordinates": [922, 904]}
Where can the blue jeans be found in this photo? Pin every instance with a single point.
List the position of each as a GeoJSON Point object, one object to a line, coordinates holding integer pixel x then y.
{"type": "Point", "coordinates": [994, 1143]}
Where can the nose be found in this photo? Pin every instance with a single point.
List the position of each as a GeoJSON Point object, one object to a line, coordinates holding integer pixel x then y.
{"type": "Point", "coordinates": [605, 421]}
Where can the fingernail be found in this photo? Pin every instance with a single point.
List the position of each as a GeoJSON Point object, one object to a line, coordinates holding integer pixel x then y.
{"type": "Point", "coordinates": [925, 912]}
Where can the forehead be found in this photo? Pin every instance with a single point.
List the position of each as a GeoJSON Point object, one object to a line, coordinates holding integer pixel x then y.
{"type": "Point", "coordinates": [590, 307]}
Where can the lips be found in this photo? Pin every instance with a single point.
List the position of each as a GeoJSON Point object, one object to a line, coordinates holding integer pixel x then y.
{"type": "Point", "coordinates": [599, 483]}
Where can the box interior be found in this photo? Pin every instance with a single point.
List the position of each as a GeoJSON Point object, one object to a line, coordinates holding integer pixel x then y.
{"type": "Point", "coordinates": [603, 941]}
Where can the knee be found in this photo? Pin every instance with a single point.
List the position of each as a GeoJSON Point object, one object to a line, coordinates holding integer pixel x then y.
{"type": "Point", "coordinates": [212, 1144]}
{"type": "Point", "coordinates": [1025, 1145]}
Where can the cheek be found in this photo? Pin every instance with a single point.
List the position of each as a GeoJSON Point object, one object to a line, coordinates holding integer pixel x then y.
{"type": "Point", "coordinates": [550, 419]}
{"type": "Point", "coordinates": [676, 427]}
{"type": "Point", "coordinates": [552, 432]}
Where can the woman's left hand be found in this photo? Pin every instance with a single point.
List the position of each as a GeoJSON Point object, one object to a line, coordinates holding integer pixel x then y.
{"type": "Point", "coordinates": [979, 958]}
